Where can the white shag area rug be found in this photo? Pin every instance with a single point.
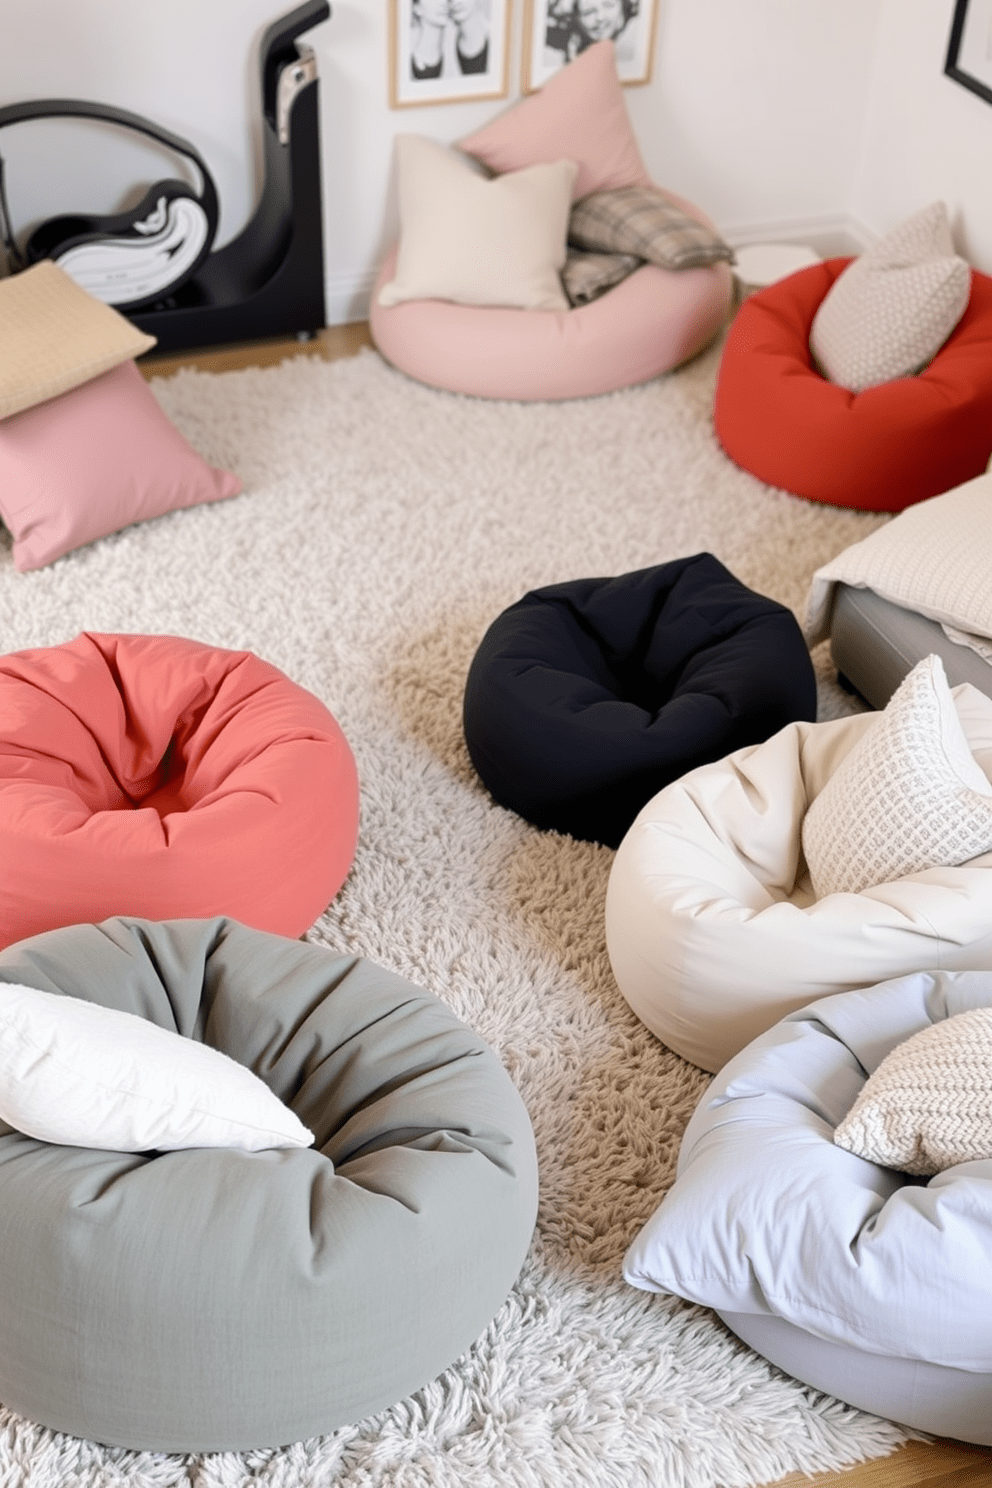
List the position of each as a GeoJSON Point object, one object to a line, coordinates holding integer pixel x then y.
{"type": "Point", "coordinates": [382, 528]}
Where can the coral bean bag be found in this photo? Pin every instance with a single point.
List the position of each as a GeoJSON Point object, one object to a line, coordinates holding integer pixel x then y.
{"type": "Point", "coordinates": [155, 776]}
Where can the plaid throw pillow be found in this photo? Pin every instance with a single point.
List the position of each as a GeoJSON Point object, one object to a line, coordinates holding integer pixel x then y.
{"type": "Point", "coordinates": [635, 219]}
{"type": "Point", "coordinates": [586, 276]}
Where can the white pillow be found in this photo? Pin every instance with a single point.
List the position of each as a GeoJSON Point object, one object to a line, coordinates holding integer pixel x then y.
{"type": "Point", "coordinates": [477, 241]}
{"type": "Point", "coordinates": [892, 309]}
{"type": "Point", "coordinates": [909, 796]}
{"type": "Point", "coordinates": [927, 1105]}
{"type": "Point", "coordinates": [83, 1075]}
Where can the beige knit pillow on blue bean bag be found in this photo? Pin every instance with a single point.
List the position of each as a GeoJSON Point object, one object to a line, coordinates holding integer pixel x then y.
{"type": "Point", "coordinates": [927, 1105]}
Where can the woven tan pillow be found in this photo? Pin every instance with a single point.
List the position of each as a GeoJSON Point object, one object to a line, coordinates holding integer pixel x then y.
{"type": "Point", "coordinates": [927, 1105]}
{"type": "Point", "coordinates": [54, 337]}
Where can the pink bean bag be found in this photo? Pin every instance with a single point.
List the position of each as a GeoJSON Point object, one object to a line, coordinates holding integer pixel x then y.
{"type": "Point", "coordinates": [154, 776]}
{"type": "Point", "coordinates": [649, 323]}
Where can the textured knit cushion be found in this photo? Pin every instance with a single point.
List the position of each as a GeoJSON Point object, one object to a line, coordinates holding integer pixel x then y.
{"type": "Point", "coordinates": [641, 220]}
{"type": "Point", "coordinates": [93, 460]}
{"type": "Point", "coordinates": [76, 1073]}
{"type": "Point", "coordinates": [54, 336]}
{"type": "Point", "coordinates": [584, 698]}
{"type": "Point", "coordinates": [879, 450]}
{"type": "Point", "coordinates": [586, 276]}
{"type": "Point", "coordinates": [934, 558]}
{"type": "Point", "coordinates": [153, 775]}
{"type": "Point", "coordinates": [478, 241]}
{"type": "Point", "coordinates": [713, 928]}
{"type": "Point", "coordinates": [580, 114]}
{"type": "Point", "coordinates": [927, 1105]}
{"type": "Point", "coordinates": [770, 1220]}
{"type": "Point", "coordinates": [213, 1300]}
{"type": "Point", "coordinates": [894, 307]}
{"type": "Point", "coordinates": [910, 796]}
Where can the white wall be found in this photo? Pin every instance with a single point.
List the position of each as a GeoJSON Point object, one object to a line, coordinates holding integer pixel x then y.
{"type": "Point", "coordinates": [926, 137]}
{"type": "Point", "coordinates": [756, 111]}
{"type": "Point", "coordinates": [780, 117]}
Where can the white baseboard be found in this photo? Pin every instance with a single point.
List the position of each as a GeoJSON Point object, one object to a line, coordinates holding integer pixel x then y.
{"type": "Point", "coordinates": [347, 295]}
{"type": "Point", "coordinates": [828, 236]}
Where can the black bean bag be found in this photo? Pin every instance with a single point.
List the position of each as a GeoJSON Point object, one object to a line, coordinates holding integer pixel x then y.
{"type": "Point", "coordinates": [584, 699]}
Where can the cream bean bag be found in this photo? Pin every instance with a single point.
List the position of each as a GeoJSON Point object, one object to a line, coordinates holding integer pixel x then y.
{"type": "Point", "coordinates": [856, 1277]}
{"type": "Point", "coordinates": [712, 923]}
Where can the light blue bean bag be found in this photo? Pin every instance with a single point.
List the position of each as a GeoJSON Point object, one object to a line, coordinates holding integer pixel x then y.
{"type": "Point", "coordinates": [864, 1281]}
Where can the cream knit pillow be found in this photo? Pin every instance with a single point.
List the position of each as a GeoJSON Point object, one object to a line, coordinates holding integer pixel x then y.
{"type": "Point", "coordinates": [892, 309]}
{"type": "Point", "coordinates": [476, 241]}
{"type": "Point", "coordinates": [909, 796]}
{"type": "Point", "coordinates": [927, 1105]}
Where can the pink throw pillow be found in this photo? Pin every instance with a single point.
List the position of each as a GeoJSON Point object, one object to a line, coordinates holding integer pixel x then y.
{"type": "Point", "coordinates": [580, 114]}
{"type": "Point", "coordinates": [93, 460]}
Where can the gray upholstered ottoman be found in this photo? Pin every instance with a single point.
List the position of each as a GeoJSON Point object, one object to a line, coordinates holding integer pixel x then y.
{"type": "Point", "coordinates": [203, 1300]}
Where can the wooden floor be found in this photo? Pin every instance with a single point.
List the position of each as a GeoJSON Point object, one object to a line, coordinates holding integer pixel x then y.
{"type": "Point", "coordinates": [938, 1464]}
{"type": "Point", "coordinates": [334, 341]}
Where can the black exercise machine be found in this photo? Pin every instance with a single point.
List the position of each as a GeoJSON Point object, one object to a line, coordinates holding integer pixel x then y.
{"type": "Point", "coordinates": [156, 263]}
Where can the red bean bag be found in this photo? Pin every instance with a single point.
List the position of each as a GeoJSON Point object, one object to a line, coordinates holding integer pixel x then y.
{"type": "Point", "coordinates": [879, 450]}
{"type": "Point", "coordinates": [154, 776]}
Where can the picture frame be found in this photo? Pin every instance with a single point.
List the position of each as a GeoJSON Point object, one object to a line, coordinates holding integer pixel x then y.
{"type": "Point", "coordinates": [555, 31]}
{"type": "Point", "coordinates": [969, 50]}
{"type": "Point", "coordinates": [426, 61]}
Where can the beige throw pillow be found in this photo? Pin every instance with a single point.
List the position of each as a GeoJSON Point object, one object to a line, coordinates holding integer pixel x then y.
{"type": "Point", "coordinates": [891, 310]}
{"type": "Point", "coordinates": [909, 796]}
{"type": "Point", "coordinates": [927, 1105]}
{"type": "Point", "coordinates": [475, 240]}
{"type": "Point", "coordinates": [587, 276]}
{"type": "Point", "coordinates": [640, 220]}
{"type": "Point", "coordinates": [54, 337]}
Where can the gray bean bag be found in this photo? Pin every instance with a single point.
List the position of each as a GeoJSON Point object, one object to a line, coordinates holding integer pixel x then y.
{"type": "Point", "coordinates": [211, 1300]}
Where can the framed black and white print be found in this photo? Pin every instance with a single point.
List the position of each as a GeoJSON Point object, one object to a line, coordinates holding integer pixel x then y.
{"type": "Point", "coordinates": [445, 51]}
{"type": "Point", "coordinates": [969, 52]}
{"type": "Point", "coordinates": [556, 31]}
